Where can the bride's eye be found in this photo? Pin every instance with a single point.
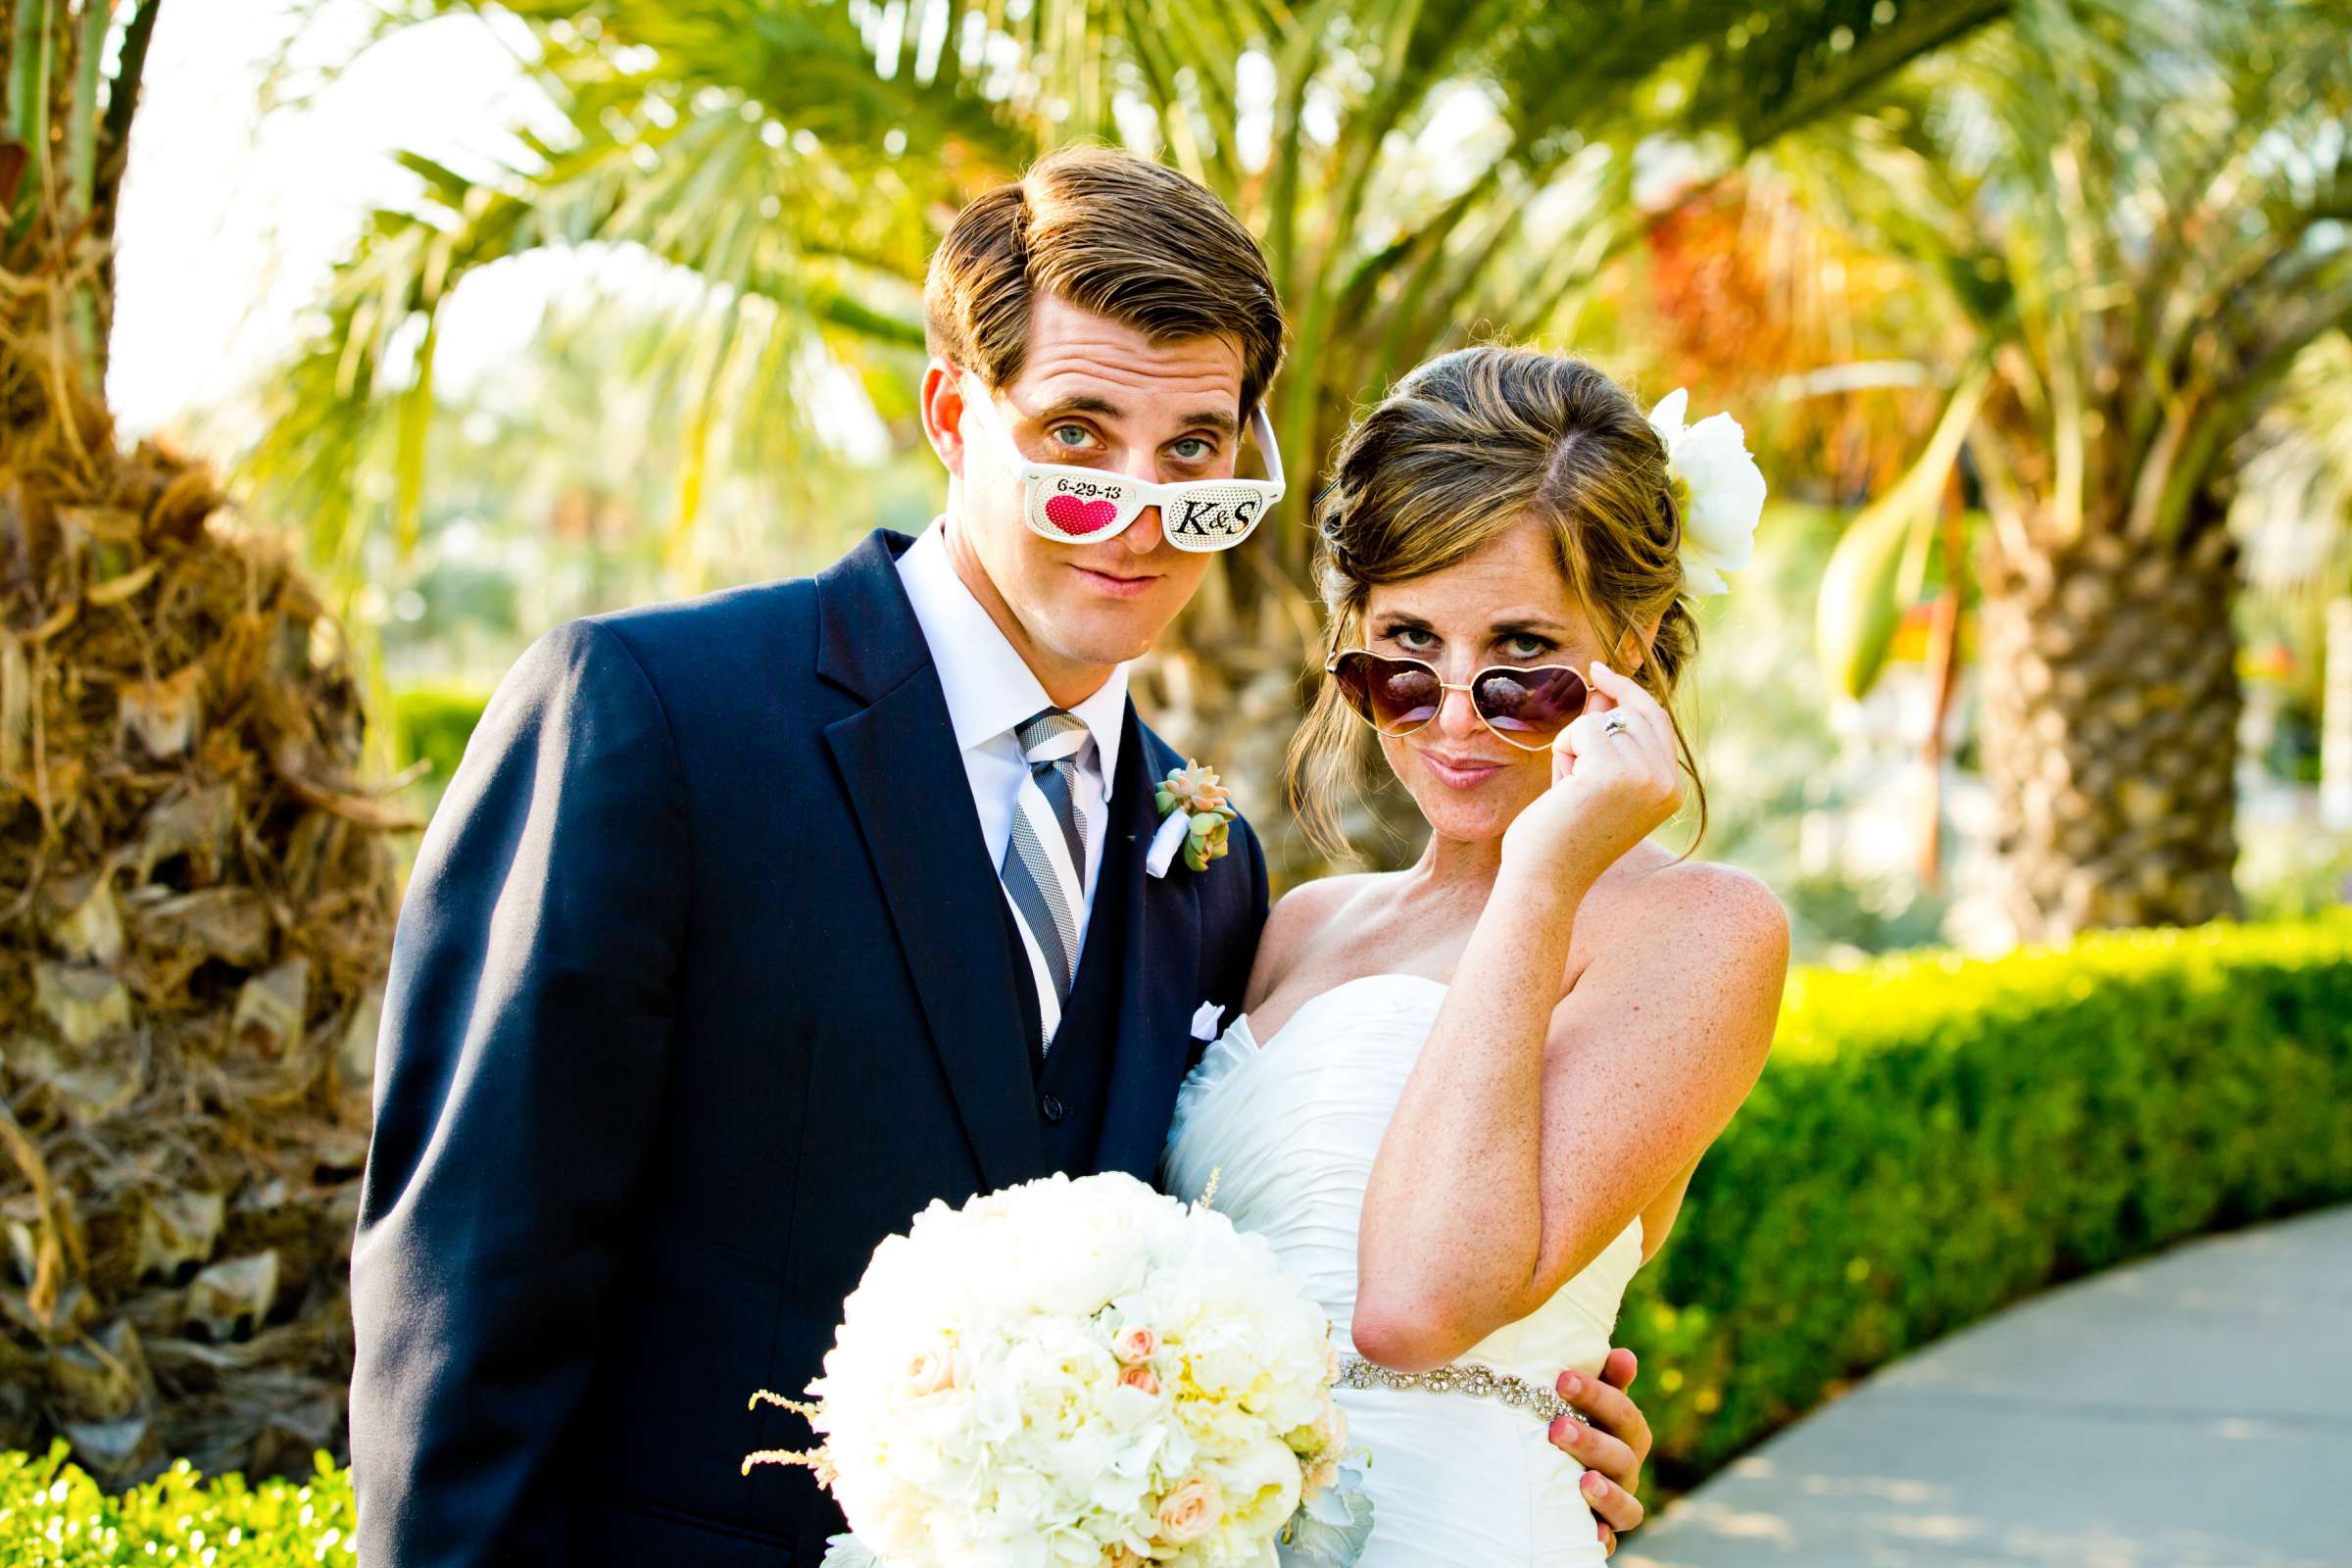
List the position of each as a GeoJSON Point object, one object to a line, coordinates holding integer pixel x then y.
{"type": "Point", "coordinates": [1526, 645]}
{"type": "Point", "coordinates": [1412, 639]}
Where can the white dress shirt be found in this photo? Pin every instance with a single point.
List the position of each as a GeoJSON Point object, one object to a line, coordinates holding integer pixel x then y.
{"type": "Point", "coordinates": [990, 692]}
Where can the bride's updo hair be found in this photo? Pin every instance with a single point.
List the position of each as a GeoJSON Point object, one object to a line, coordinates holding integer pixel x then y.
{"type": "Point", "coordinates": [1459, 452]}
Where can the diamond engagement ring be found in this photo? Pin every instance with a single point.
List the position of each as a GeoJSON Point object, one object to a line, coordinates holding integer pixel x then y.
{"type": "Point", "coordinates": [1615, 725]}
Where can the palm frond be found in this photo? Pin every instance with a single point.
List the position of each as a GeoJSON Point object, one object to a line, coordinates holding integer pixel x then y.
{"type": "Point", "coordinates": [808, 154]}
{"type": "Point", "coordinates": [2140, 200]}
{"type": "Point", "coordinates": [2294, 497]}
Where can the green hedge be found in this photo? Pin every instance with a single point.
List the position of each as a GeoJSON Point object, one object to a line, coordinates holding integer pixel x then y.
{"type": "Point", "coordinates": [1935, 1138]}
{"type": "Point", "coordinates": [54, 1516]}
{"type": "Point", "coordinates": [435, 722]}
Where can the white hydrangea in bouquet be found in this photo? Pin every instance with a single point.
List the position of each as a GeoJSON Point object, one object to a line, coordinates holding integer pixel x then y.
{"type": "Point", "coordinates": [1073, 1374]}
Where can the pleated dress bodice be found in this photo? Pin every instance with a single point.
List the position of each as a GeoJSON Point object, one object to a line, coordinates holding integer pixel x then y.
{"type": "Point", "coordinates": [1290, 1127]}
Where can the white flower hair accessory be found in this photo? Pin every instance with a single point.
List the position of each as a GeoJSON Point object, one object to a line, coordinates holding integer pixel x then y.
{"type": "Point", "coordinates": [1718, 487]}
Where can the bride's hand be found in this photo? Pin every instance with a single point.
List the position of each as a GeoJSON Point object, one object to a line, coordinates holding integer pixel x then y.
{"type": "Point", "coordinates": [1613, 1443]}
{"type": "Point", "coordinates": [1614, 781]}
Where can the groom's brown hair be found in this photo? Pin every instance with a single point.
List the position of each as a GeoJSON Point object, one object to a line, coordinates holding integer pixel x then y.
{"type": "Point", "coordinates": [1110, 233]}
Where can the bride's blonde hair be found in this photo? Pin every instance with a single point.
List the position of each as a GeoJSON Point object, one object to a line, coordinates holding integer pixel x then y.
{"type": "Point", "coordinates": [1459, 452]}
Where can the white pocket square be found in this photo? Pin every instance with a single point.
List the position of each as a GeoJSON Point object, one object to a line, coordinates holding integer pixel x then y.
{"type": "Point", "coordinates": [1206, 1021]}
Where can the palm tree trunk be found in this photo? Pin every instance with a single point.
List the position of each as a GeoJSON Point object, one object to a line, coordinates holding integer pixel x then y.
{"type": "Point", "coordinates": [1223, 685]}
{"type": "Point", "coordinates": [196, 896]}
{"type": "Point", "coordinates": [2110, 728]}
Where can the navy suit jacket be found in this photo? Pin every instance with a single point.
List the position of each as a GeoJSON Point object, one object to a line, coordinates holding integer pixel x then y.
{"type": "Point", "coordinates": [701, 989]}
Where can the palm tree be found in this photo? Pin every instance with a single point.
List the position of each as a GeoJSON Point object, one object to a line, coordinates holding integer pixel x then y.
{"type": "Point", "coordinates": [1417, 170]}
{"type": "Point", "coordinates": [195, 903]}
{"type": "Point", "coordinates": [2139, 211]}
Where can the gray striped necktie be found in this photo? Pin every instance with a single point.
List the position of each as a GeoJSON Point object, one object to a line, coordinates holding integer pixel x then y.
{"type": "Point", "coordinates": [1045, 858]}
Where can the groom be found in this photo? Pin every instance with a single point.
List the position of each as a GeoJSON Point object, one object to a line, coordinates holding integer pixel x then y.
{"type": "Point", "coordinates": [752, 925]}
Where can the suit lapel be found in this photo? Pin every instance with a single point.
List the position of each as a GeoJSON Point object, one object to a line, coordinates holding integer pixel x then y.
{"type": "Point", "coordinates": [1161, 965]}
{"type": "Point", "coordinates": [906, 780]}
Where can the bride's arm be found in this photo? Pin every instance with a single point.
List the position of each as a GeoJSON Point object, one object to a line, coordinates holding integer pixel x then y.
{"type": "Point", "coordinates": [1534, 1129]}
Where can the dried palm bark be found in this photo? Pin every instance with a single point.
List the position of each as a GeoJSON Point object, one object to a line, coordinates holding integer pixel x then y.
{"type": "Point", "coordinates": [196, 904]}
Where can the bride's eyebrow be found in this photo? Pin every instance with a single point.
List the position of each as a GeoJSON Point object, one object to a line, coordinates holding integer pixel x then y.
{"type": "Point", "coordinates": [1527, 623]}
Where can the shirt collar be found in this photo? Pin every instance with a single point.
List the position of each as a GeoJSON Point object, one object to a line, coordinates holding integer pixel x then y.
{"type": "Point", "coordinates": [990, 689]}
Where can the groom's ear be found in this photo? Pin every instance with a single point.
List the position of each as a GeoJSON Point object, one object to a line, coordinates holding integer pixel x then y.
{"type": "Point", "coordinates": [942, 412]}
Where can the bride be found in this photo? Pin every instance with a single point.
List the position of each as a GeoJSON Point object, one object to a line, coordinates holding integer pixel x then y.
{"type": "Point", "coordinates": [1465, 1098]}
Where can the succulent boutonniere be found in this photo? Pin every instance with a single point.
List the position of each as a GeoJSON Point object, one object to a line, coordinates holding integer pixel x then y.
{"type": "Point", "coordinates": [1197, 814]}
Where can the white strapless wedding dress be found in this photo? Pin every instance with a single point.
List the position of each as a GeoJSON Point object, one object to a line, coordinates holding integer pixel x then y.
{"type": "Point", "coordinates": [1293, 1125]}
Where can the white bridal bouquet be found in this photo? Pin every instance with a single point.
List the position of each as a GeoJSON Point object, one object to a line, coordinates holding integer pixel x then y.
{"type": "Point", "coordinates": [1072, 1374]}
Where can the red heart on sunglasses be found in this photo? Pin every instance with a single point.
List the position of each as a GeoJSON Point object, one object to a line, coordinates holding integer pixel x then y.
{"type": "Point", "coordinates": [1073, 515]}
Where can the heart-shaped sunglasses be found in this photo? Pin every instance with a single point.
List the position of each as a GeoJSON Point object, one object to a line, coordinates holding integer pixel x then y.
{"type": "Point", "coordinates": [1077, 506]}
{"type": "Point", "coordinates": [1528, 708]}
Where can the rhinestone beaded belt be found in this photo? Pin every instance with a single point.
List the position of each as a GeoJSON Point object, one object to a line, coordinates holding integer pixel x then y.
{"type": "Point", "coordinates": [1462, 1377]}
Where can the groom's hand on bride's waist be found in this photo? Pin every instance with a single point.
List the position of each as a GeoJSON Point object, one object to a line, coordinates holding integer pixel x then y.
{"type": "Point", "coordinates": [1612, 1442]}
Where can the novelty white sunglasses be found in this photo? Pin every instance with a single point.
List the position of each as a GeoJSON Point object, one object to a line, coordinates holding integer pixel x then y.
{"type": "Point", "coordinates": [1075, 506]}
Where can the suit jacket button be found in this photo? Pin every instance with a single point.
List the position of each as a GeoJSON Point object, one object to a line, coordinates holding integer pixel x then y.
{"type": "Point", "coordinates": [1053, 1109]}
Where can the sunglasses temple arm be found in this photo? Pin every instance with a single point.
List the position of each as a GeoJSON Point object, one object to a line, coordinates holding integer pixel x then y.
{"type": "Point", "coordinates": [1262, 428]}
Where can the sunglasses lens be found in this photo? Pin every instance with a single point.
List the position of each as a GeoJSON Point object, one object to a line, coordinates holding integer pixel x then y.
{"type": "Point", "coordinates": [1212, 514]}
{"type": "Point", "coordinates": [1077, 511]}
{"type": "Point", "coordinates": [1396, 696]}
{"type": "Point", "coordinates": [1530, 707]}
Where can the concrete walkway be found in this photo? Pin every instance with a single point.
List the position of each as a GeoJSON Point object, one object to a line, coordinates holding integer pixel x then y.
{"type": "Point", "coordinates": [2193, 1410]}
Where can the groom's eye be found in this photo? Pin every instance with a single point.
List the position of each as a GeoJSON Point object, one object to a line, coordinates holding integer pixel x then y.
{"type": "Point", "coordinates": [1192, 449]}
{"type": "Point", "coordinates": [1069, 437]}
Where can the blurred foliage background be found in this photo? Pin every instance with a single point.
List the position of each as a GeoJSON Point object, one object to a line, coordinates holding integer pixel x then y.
{"type": "Point", "coordinates": [2034, 310]}
{"type": "Point", "coordinates": [2028, 308]}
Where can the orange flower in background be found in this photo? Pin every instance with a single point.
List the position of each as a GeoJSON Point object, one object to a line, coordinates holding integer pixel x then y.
{"type": "Point", "coordinates": [1812, 340]}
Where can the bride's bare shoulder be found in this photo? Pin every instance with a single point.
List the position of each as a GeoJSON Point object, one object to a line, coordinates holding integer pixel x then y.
{"type": "Point", "coordinates": [1680, 956]}
{"type": "Point", "coordinates": [1302, 913]}
{"type": "Point", "coordinates": [1311, 905]}
{"type": "Point", "coordinates": [1650, 894]}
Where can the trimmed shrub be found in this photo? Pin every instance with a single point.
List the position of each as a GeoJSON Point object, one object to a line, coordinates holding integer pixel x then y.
{"type": "Point", "coordinates": [1936, 1138]}
{"type": "Point", "coordinates": [52, 1515]}
{"type": "Point", "coordinates": [435, 723]}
